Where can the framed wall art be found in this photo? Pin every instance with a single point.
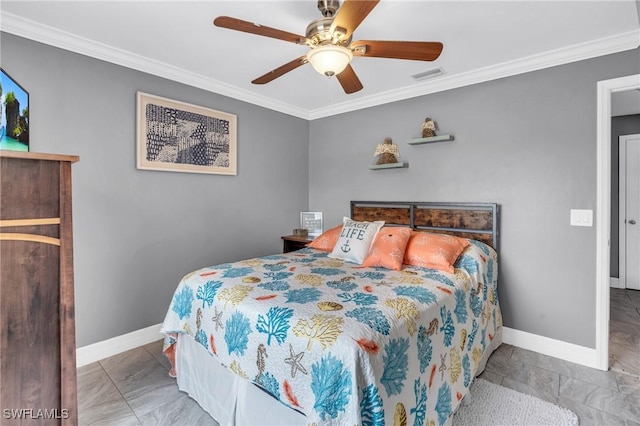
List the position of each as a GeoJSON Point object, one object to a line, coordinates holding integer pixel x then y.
{"type": "Point", "coordinates": [312, 221]}
{"type": "Point", "coordinates": [14, 114]}
{"type": "Point", "coordinates": [180, 137]}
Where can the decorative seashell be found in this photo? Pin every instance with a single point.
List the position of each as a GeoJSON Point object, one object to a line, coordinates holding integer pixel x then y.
{"type": "Point", "coordinates": [400, 416]}
{"type": "Point", "coordinates": [251, 280]}
{"type": "Point", "coordinates": [331, 263]}
{"type": "Point", "coordinates": [309, 279]}
{"type": "Point", "coordinates": [329, 306]}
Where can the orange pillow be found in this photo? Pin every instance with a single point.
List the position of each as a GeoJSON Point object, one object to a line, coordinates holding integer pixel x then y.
{"type": "Point", "coordinates": [327, 240]}
{"type": "Point", "coordinates": [388, 248]}
{"type": "Point", "coordinates": [437, 251]}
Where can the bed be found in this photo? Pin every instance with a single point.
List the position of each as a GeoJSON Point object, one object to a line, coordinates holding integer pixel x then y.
{"type": "Point", "coordinates": [305, 338]}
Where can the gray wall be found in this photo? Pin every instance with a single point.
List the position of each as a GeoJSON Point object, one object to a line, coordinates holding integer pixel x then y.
{"type": "Point", "coordinates": [527, 142]}
{"type": "Point", "coordinates": [622, 125]}
{"type": "Point", "coordinates": [137, 232]}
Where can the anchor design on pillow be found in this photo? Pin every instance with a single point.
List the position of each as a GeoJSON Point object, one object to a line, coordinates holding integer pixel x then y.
{"type": "Point", "coordinates": [345, 248]}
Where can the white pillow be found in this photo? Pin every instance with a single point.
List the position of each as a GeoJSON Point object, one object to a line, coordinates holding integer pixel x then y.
{"type": "Point", "coordinates": [355, 240]}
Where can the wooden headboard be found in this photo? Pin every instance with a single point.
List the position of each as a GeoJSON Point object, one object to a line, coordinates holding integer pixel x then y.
{"type": "Point", "coordinates": [478, 221]}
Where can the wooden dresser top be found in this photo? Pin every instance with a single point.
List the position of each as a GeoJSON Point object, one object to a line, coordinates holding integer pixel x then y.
{"type": "Point", "coordinates": [38, 156]}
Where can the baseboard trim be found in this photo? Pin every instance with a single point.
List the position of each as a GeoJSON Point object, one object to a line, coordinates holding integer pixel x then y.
{"type": "Point", "coordinates": [615, 283]}
{"type": "Point", "coordinates": [106, 348]}
{"type": "Point", "coordinates": [551, 347]}
{"type": "Point", "coordinates": [533, 342]}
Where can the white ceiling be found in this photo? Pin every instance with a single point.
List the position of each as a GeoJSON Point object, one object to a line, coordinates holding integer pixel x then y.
{"type": "Point", "coordinates": [483, 40]}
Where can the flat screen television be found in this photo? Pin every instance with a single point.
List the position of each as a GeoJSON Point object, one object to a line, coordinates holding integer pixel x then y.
{"type": "Point", "coordinates": [14, 114]}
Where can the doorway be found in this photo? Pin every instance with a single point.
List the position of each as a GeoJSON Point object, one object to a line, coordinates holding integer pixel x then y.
{"type": "Point", "coordinates": [624, 301]}
{"type": "Point", "coordinates": [605, 89]}
{"type": "Point", "coordinates": [629, 211]}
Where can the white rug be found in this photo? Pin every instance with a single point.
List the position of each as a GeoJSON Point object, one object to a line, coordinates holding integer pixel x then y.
{"type": "Point", "coordinates": [492, 404]}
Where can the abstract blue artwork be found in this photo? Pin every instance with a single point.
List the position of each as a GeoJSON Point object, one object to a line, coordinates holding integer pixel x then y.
{"type": "Point", "coordinates": [180, 137]}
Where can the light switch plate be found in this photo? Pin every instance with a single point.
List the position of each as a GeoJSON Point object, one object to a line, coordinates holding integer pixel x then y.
{"type": "Point", "coordinates": [581, 217]}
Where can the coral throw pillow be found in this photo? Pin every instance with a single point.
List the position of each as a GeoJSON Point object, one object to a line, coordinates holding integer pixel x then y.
{"type": "Point", "coordinates": [327, 240]}
{"type": "Point", "coordinates": [388, 248]}
{"type": "Point", "coordinates": [437, 251]}
{"type": "Point", "coordinates": [355, 240]}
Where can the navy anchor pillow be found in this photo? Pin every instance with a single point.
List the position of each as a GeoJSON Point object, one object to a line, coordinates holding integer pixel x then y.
{"type": "Point", "coordinates": [355, 240]}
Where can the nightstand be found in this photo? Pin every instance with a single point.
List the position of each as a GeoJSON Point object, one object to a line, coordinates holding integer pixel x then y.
{"type": "Point", "coordinates": [295, 242]}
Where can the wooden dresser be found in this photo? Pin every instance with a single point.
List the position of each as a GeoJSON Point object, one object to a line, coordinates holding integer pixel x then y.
{"type": "Point", "coordinates": [37, 320]}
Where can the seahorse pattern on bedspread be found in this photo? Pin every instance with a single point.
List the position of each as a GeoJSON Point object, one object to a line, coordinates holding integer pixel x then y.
{"type": "Point", "coordinates": [341, 343]}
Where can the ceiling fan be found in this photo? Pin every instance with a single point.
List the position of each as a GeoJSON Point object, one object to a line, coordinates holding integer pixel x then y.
{"type": "Point", "coordinates": [330, 42]}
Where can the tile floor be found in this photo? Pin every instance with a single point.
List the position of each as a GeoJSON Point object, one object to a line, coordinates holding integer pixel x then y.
{"type": "Point", "coordinates": [133, 388]}
{"type": "Point", "coordinates": [624, 331]}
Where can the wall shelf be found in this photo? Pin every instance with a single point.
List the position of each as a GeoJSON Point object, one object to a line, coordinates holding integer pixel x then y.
{"type": "Point", "coordinates": [389, 166]}
{"type": "Point", "coordinates": [432, 139]}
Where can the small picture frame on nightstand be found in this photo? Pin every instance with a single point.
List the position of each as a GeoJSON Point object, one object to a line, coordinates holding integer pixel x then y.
{"type": "Point", "coordinates": [311, 221]}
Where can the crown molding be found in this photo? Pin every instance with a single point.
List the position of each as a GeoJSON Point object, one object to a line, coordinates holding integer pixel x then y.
{"type": "Point", "coordinates": [578, 52]}
{"type": "Point", "coordinates": [19, 26]}
{"type": "Point", "coordinates": [32, 30]}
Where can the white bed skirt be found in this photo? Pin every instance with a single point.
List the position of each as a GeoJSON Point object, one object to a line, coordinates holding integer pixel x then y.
{"type": "Point", "coordinates": [229, 399]}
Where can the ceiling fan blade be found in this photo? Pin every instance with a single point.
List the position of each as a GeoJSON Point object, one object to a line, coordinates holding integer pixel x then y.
{"type": "Point", "coordinates": [414, 50]}
{"type": "Point", "coordinates": [349, 80]}
{"type": "Point", "coordinates": [351, 14]}
{"type": "Point", "coordinates": [281, 70]}
{"type": "Point", "coordinates": [252, 28]}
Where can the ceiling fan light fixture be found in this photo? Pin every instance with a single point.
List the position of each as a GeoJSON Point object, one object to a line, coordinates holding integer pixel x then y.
{"type": "Point", "coordinates": [329, 59]}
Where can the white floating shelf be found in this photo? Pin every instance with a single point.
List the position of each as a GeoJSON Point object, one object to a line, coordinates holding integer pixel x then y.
{"type": "Point", "coordinates": [389, 166]}
{"type": "Point", "coordinates": [432, 139]}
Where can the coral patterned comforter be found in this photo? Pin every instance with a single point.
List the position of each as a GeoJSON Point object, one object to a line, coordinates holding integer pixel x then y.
{"type": "Point", "coordinates": [341, 343]}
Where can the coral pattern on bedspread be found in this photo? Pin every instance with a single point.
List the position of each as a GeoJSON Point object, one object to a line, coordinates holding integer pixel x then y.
{"type": "Point", "coordinates": [343, 344]}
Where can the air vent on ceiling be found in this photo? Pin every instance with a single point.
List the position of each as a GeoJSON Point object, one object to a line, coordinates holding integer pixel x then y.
{"type": "Point", "coordinates": [428, 74]}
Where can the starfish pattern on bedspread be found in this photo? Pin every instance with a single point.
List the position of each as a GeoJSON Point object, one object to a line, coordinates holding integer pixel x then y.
{"type": "Point", "coordinates": [294, 361]}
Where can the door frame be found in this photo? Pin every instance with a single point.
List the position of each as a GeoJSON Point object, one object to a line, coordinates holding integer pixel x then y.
{"type": "Point", "coordinates": [605, 89]}
{"type": "Point", "coordinates": [622, 203]}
